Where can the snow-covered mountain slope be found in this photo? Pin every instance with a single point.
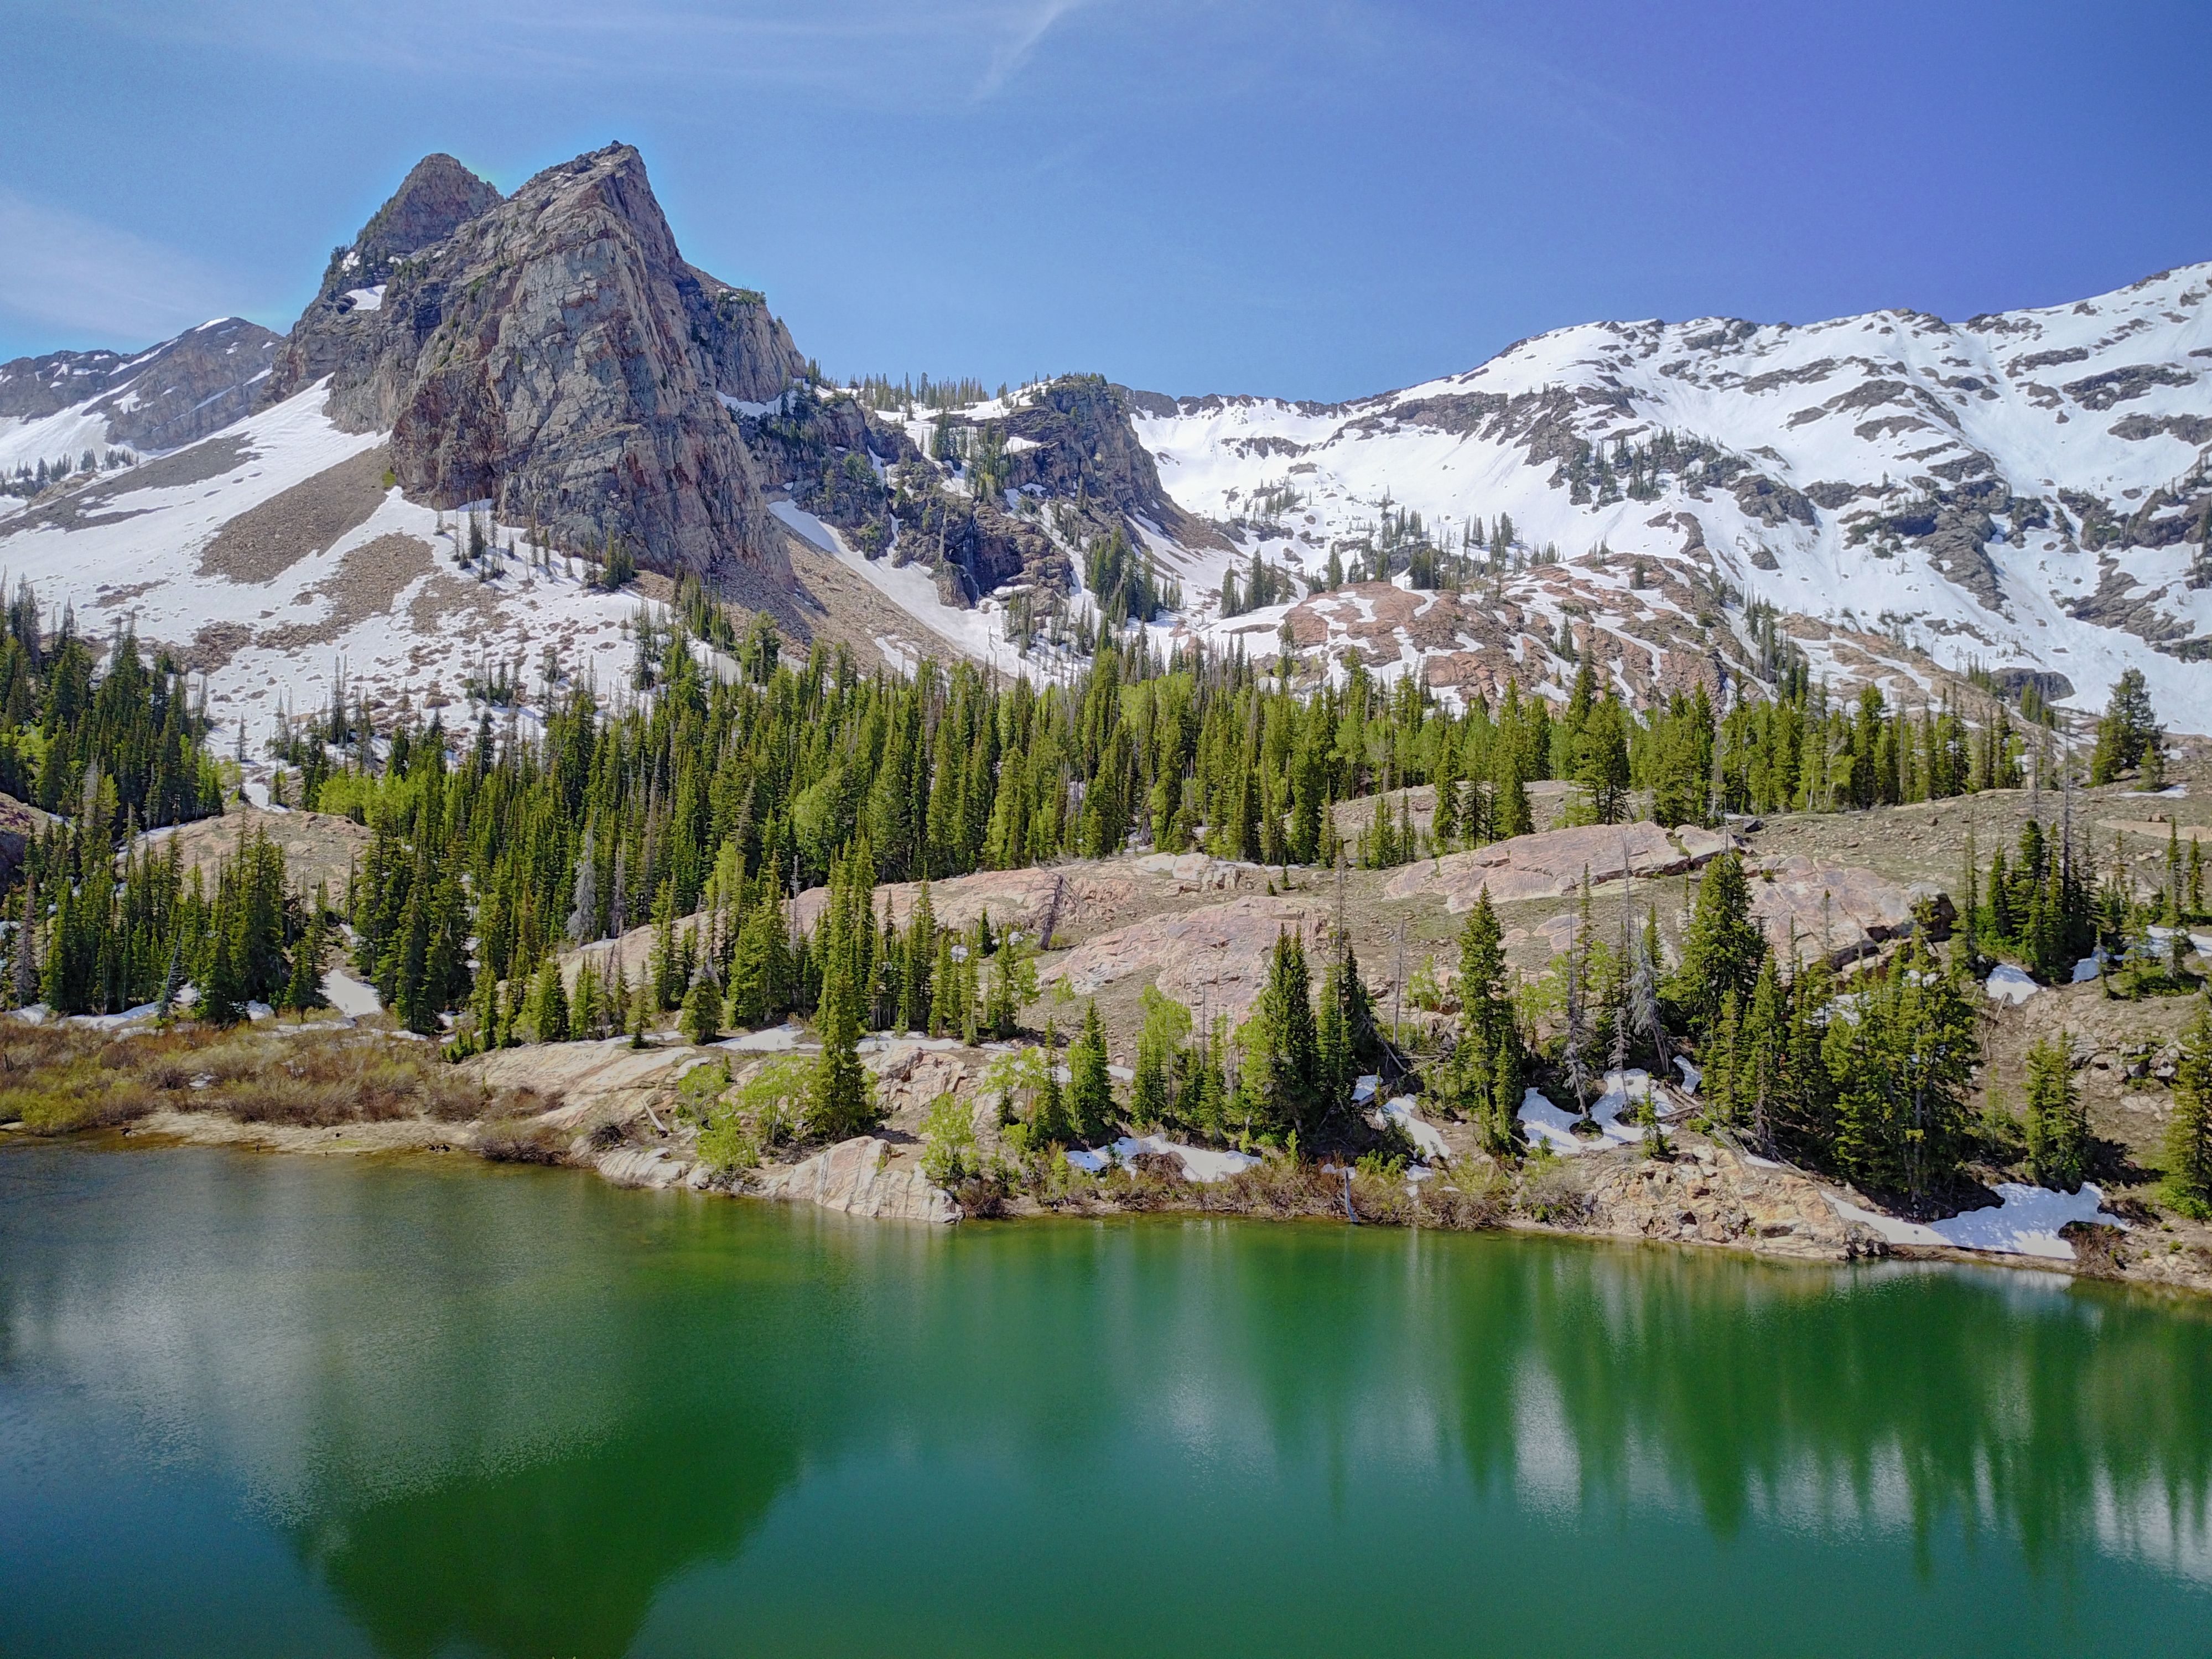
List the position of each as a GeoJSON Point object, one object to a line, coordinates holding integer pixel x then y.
{"type": "Point", "coordinates": [59, 408]}
{"type": "Point", "coordinates": [1899, 496]}
{"type": "Point", "coordinates": [2029, 489]}
{"type": "Point", "coordinates": [275, 555]}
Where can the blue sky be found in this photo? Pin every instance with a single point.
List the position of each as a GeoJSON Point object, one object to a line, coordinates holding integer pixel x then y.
{"type": "Point", "coordinates": [1308, 197]}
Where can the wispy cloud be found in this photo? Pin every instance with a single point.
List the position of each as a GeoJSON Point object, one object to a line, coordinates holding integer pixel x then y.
{"type": "Point", "coordinates": [1014, 50]}
{"type": "Point", "coordinates": [60, 270]}
{"type": "Point", "coordinates": [892, 50]}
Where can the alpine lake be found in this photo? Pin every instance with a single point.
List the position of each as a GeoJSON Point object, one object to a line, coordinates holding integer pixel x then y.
{"type": "Point", "coordinates": [262, 1405]}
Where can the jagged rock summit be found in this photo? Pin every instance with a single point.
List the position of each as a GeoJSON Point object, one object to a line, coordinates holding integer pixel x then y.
{"type": "Point", "coordinates": [436, 198]}
{"type": "Point", "coordinates": [553, 353]}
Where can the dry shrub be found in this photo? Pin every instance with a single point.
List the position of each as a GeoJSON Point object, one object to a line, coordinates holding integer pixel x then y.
{"type": "Point", "coordinates": [60, 1079]}
{"type": "Point", "coordinates": [52, 1079]}
{"type": "Point", "coordinates": [1278, 1187]}
{"type": "Point", "coordinates": [1463, 1206]}
{"type": "Point", "coordinates": [522, 1140]}
{"type": "Point", "coordinates": [317, 1081]}
{"type": "Point", "coordinates": [1382, 1201]}
{"type": "Point", "coordinates": [1554, 1190]}
{"type": "Point", "coordinates": [1149, 1180]}
{"type": "Point", "coordinates": [983, 1196]}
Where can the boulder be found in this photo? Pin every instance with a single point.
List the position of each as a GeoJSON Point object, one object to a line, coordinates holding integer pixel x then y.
{"type": "Point", "coordinates": [1213, 960]}
{"type": "Point", "coordinates": [1840, 911]}
{"type": "Point", "coordinates": [1078, 896]}
{"type": "Point", "coordinates": [1714, 1194]}
{"type": "Point", "coordinates": [604, 1081]}
{"type": "Point", "coordinates": [1552, 865]}
{"type": "Point", "coordinates": [655, 1166]}
{"type": "Point", "coordinates": [911, 1075]}
{"type": "Point", "coordinates": [862, 1177]}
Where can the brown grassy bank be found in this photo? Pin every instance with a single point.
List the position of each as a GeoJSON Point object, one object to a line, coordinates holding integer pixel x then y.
{"type": "Point", "coordinates": [56, 1079]}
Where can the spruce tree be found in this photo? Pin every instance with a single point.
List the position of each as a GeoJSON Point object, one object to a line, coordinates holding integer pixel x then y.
{"type": "Point", "coordinates": [548, 1004]}
{"type": "Point", "coordinates": [1090, 1089]}
{"type": "Point", "coordinates": [304, 990]}
{"type": "Point", "coordinates": [842, 1104]}
{"type": "Point", "coordinates": [702, 1021]}
{"type": "Point", "coordinates": [1722, 948]}
{"type": "Point", "coordinates": [948, 1009]}
{"type": "Point", "coordinates": [220, 998]}
{"type": "Point", "coordinates": [2189, 1132]}
{"type": "Point", "coordinates": [1050, 1122]}
{"type": "Point", "coordinates": [1509, 811]}
{"type": "Point", "coordinates": [1152, 1091]}
{"type": "Point", "coordinates": [2058, 1130]}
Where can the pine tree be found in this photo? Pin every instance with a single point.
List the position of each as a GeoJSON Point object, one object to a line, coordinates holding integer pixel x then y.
{"type": "Point", "coordinates": [1050, 1122]}
{"type": "Point", "coordinates": [1509, 812]}
{"type": "Point", "coordinates": [702, 1021]}
{"type": "Point", "coordinates": [304, 990]}
{"type": "Point", "coordinates": [1090, 1089]}
{"type": "Point", "coordinates": [220, 998]}
{"type": "Point", "coordinates": [1722, 948]}
{"type": "Point", "coordinates": [1601, 764]}
{"type": "Point", "coordinates": [1576, 1040]}
{"type": "Point", "coordinates": [948, 1009]}
{"type": "Point", "coordinates": [548, 1004]}
{"type": "Point", "coordinates": [1900, 1062]}
{"type": "Point", "coordinates": [922, 949]}
{"type": "Point", "coordinates": [2189, 1132]}
{"type": "Point", "coordinates": [2057, 1129]}
{"type": "Point", "coordinates": [26, 964]}
{"type": "Point", "coordinates": [843, 1102]}
{"type": "Point", "coordinates": [1756, 1078]}
{"type": "Point", "coordinates": [1444, 819]}
{"type": "Point", "coordinates": [1281, 1047]}
{"type": "Point", "coordinates": [587, 1009]}
{"type": "Point", "coordinates": [1152, 1091]}
{"type": "Point", "coordinates": [2129, 731]}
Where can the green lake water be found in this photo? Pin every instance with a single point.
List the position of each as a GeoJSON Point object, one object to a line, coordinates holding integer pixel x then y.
{"type": "Point", "coordinates": [280, 1405]}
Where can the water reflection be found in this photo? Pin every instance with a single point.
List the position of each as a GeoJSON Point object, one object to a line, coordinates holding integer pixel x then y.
{"type": "Point", "coordinates": [507, 1412]}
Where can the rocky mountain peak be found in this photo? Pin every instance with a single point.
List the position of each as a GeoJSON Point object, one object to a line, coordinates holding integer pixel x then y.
{"type": "Point", "coordinates": [554, 352]}
{"type": "Point", "coordinates": [435, 199]}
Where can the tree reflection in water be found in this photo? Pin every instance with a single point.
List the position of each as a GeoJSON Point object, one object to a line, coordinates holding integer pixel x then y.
{"type": "Point", "coordinates": [509, 1411]}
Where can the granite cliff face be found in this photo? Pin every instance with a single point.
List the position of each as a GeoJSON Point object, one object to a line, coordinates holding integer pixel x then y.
{"type": "Point", "coordinates": [435, 199]}
{"type": "Point", "coordinates": [172, 395]}
{"type": "Point", "coordinates": [555, 354]}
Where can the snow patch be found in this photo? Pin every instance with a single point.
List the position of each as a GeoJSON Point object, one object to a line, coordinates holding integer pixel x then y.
{"type": "Point", "coordinates": [1200, 1163]}
{"type": "Point", "coordinates": [1425, 1135]}
{"type": "Point", "coordinates": [2026, 1221]}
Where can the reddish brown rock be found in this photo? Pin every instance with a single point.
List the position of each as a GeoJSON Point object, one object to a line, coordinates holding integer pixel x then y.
{"type": "Point", "coordinates": [1809, 907]}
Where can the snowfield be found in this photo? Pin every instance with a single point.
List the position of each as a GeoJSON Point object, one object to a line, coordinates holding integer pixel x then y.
{"type": "Point", "coordinates": [2110, 398]}
{"type": "Point", "coordinates": [385, 601]}
{"type": "Point", "coordinates": [2032, 489]}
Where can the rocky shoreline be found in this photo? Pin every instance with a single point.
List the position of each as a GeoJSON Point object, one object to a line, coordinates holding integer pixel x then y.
{"type": "Point", "coordinates": [613, 1114]}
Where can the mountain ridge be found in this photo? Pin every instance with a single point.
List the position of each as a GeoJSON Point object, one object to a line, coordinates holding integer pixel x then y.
{"type": "Point", "coordinates": [1890, 494]}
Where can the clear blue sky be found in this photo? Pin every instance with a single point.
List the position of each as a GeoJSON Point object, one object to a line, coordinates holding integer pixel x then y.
{"type": "Point", "coordinates": [1309, 198]}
